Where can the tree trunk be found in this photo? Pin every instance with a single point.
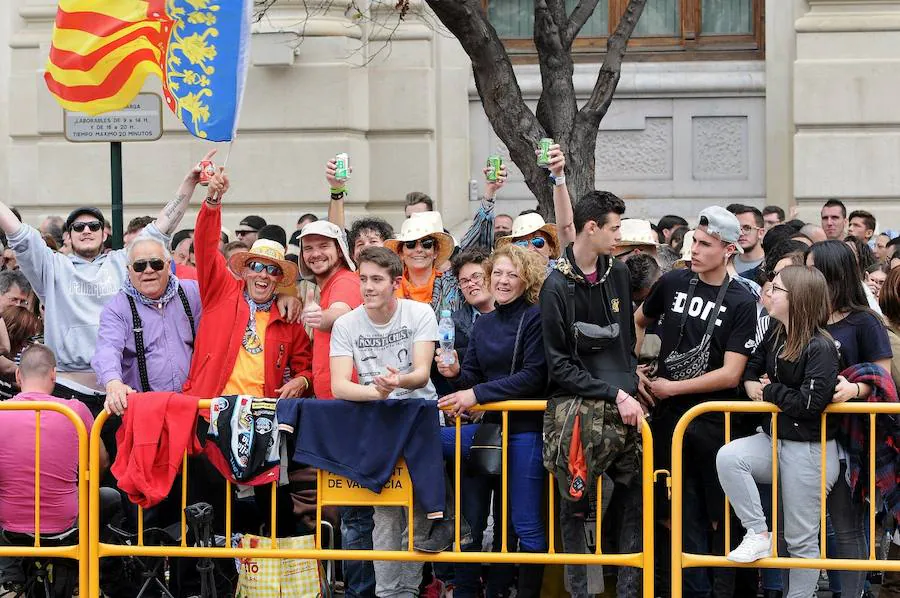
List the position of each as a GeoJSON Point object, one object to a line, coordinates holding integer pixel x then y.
{"type": "Point", "coordinates": [557, 114]}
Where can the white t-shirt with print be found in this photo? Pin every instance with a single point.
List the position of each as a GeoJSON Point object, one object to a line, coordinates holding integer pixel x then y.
{"type": "Point", "coordinates": [374, 347]}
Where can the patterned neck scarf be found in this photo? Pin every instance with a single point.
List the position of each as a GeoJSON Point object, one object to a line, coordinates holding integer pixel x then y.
{"type": "Point", "coordinates": [171, 291]}
{"type": "Point", "coordinates": [251, 341]}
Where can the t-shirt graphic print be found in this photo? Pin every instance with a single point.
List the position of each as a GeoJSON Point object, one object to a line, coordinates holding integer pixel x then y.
{"type": "Point", "coordinates": [375, 347]}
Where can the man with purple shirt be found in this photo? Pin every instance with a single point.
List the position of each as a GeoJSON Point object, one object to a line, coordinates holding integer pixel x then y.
{"type": "Point", "coordinates": [147, 329]}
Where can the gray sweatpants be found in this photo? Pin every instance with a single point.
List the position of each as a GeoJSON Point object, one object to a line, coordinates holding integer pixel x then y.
{"type": "Point", "coordinates": [394, 578]}
{"type": "Point", "coordinates": [744, 462]}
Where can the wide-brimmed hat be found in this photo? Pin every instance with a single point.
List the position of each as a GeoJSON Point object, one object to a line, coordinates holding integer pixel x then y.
{"type": "Point", "coordinates": [637, 233]}
{"type": "Point", "coordinates": [419, 226]}
{"type": "Point", "coordinates": [266, 251]}
{"type": "Point", "coordinates": [686, 244]}
{"type": "Point", "coordinates": [325, 229]}
{"type": "Point", "coordinates": [527, 224]}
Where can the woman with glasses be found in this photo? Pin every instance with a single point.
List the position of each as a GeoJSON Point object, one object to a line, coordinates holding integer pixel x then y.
{"type": "Point", "coordinates": [861, 337]}
{"type": "Point", "coordinates": [506, 360]}
{"type": "Point", "coordinates": [876, 274]}
{"type": "Point", "coordinates": [423, 246]}
{"type": "Point", "coordinates": [795, 368]}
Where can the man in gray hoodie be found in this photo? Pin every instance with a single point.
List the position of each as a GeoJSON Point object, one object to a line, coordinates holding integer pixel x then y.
{"type": "Point", "coordinates": [74, 288]}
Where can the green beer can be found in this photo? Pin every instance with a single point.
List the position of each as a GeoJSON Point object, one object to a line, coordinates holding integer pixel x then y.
{"type": "Point", "coordinates": [342, 166]}
{"type": "Point", "coordinates": [544, 155]}
{"type": "Point", "coordinates": [494, 163]}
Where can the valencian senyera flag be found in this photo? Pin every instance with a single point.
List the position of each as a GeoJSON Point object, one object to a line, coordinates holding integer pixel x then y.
{"type": "Point", "coordinates": [103, 50]}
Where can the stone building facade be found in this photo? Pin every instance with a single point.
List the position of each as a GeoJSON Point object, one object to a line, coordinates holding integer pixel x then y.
{"type": "Point", "coordinates": [810, 114]}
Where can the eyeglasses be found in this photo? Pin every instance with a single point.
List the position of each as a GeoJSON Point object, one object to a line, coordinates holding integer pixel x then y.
{"type": "Point", "coordinates": [536, 242]}
{"type": "Point", "coordinates": [747, 229]}
{"type": "Point", "coordinates": [94, 225]}
{"type": "Point", "coordinates": [271, 269]}
{"type": "Point", "coordinates": [476, 278]}
{"type": "Point", "coordinates": [244, 233]}
{"type": "Point", "coordinates": [426, 243]}
{"type": "Point", "coordinates": [140, 265]}
{"type": "Point", "coordinates": [775, 287]}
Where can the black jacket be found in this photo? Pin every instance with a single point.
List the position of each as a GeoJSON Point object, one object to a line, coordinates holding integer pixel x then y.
{"type": "Point", "coordinates": [596, 375]}
{"type": "Point", "coordinates": [802, 389]}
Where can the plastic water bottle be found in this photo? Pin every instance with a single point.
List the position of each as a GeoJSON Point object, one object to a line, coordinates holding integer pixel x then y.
{"type": "Point", "coordinates": [446, 336]}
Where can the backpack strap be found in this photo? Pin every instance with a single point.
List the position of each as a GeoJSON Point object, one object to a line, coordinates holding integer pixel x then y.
{"type": "Point", "coordinates": [138, 330]}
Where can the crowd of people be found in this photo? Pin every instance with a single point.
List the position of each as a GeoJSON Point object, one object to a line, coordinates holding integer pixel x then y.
{"type": "Point", "coordinates": [610, 319]}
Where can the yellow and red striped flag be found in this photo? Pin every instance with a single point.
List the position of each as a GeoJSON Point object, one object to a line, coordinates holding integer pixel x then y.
{"type": "Point", "coordinates": [102, 51]}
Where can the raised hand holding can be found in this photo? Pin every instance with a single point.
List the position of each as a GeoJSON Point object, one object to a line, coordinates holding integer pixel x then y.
{"type": "Point", "coordinates": [494, 164]}
{"type": "Point", "coordinates": [207, 170]}
{"type": "Point", "coordinates": [342, 166]}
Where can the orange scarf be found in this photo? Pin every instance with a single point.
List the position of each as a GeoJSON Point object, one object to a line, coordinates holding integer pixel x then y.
{"type": "Point", "coordinates": [421, 294]}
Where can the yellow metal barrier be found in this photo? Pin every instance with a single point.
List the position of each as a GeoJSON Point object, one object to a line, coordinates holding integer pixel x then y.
{"type": "Point", "coordinates": [682, 560]}
{"type": "Point", "coordinates": [643, 559]}
{"type": "Point", "coordinates": [77, 552]}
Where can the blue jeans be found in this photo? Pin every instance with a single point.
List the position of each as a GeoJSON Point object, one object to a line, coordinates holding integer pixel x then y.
{"type": "Point", "coordinates": [356, 534]}
{"type": "Point", "coordinates": [526, 485]}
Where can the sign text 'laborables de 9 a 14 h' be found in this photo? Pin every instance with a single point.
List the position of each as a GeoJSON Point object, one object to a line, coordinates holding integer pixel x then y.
{"type": "Point", "coordinates": [140, 120]}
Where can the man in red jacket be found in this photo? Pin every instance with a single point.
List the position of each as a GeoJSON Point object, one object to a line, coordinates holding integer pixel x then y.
{"type": "Point", "coordinates": [244, 346]}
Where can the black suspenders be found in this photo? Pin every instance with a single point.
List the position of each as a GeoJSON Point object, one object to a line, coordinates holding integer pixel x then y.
{"type": "Point", "coordinates": [139, 335]}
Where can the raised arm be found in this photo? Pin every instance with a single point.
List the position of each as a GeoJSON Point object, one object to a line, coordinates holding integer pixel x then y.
{"type": "Point", "coordinates": [8, 221]}
{"type": "Point", "coordinates": [562, 203]}
{"type": "Point", "coordinates": [170, 216]}
{"type": "Point", "coordinates": [338, 190]}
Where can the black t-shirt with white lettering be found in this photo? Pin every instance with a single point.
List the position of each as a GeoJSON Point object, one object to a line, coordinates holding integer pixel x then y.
{"type": "Point", "coordinates": [735, 328]}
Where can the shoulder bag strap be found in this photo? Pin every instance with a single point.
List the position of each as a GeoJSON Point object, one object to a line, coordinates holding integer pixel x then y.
{"type": "Point", "coordinates": [512, 367]}
{"type": "Point", "coordinates": [139, 344]}
{"type": "Point", "coordinates": [187, 310]}
{"type": "Point", "coordinates": [692, 287]}
{"type": "Point", "coordinates": [714, 315]}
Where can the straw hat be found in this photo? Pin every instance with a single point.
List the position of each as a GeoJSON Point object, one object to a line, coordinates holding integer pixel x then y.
{"type": "Point", "coordinates": [685, 249]}
{"type": "Point", "coordinates": [527, 224]}
{"type": "Point", "coordinates": [637, 233]}
{"type": "Point", "coordinates": [266, 251]}
{"type": "Point", "coordinates": [419, 226]}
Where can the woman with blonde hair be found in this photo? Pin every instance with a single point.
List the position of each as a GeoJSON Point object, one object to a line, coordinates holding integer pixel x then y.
{"type": "Point", "coordinates": [505, 360]}
{"type": "Point", "coordinates": [796, 369]}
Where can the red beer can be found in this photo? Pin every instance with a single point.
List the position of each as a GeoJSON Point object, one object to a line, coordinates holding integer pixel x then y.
{"type": "Point", "coordinates": [207, 170]}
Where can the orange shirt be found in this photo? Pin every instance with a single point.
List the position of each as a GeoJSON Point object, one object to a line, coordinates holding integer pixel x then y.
{"type": "Point", "coordinates": [421, 294]}
{"type": "Point", "coordinates": [249, 374]}
{"type": "Point", "coordinates": [342, 287]}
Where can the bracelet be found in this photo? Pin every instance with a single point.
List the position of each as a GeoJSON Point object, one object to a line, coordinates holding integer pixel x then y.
{"type": "Point", "coordinates": [560, 180]}
{"type": "Point", "coordinates": [213, 202]}
{"type": "Point", "coordinates": [618, 402]}
{"type": "Point", "coordinates": [335, 196]}
{"type": "Point", "coordinates": [335, 190]}
{"type": "Point", "coordinates": [857, 390]}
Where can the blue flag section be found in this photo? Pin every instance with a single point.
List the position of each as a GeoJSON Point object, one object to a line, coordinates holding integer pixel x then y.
{"type": "Point", "coordinates": [206, 64]}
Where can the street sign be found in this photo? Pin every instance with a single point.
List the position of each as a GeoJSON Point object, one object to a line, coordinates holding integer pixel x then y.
{"type": "Point", "coordinates": [140, 120]}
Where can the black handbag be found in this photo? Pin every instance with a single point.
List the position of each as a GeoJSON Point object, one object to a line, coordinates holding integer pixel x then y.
{"type": "Point", "coordinates": [486, 454]}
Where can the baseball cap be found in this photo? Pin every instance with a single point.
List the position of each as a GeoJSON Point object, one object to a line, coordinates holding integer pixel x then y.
{"type": "Point", "coordinates": [332, 231]}
{"type": "Point", "coordinates": [91, 211]}
{"type": "Point", "coordinates": [254, 223]}
{"type": "Point", "coordinates": [722, 224]}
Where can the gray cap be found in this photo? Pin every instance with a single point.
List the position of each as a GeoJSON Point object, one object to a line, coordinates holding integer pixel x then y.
{"type": "Point", "coordinates": [722, 224]}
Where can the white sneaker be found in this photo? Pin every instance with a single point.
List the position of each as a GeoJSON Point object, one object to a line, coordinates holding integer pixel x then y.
{"type": "Point", "coordinates": [752, 548]}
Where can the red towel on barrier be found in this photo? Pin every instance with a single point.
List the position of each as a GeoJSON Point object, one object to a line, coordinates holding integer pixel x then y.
{"type": "Point", "coordinates": [156, 430]}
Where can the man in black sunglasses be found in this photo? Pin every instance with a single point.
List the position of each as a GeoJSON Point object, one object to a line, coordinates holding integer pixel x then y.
{"type": "Point", "coordinates": [74, 288]}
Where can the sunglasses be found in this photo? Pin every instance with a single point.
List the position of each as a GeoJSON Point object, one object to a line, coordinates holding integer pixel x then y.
{"type": "Point", "coordinates": [427, 243]}
{"type": "Point", "coordinates": [140, 265]}
{"type": "Point", "coordinates": [94, 225]}
{"type": "Point", "coordinates": [271, 269]}
{"type": "Point", "coordinates": [537, 243]}
{"type": "Point", "coordinates": [243, 233]}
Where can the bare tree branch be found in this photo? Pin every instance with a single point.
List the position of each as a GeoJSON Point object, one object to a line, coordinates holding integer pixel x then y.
{"type": "Point", "coordinates": [580, 15]}
{"type": "Point", "coordinates": [556, 106]}
{"type": "Point", "coordinates": [608, 78]}
{"type": "Point", "coordinates": [512, 120]}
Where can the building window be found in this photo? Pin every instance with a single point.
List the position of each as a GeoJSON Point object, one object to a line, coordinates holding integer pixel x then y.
{"type": "Point", "coordinates": [668, 29]}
